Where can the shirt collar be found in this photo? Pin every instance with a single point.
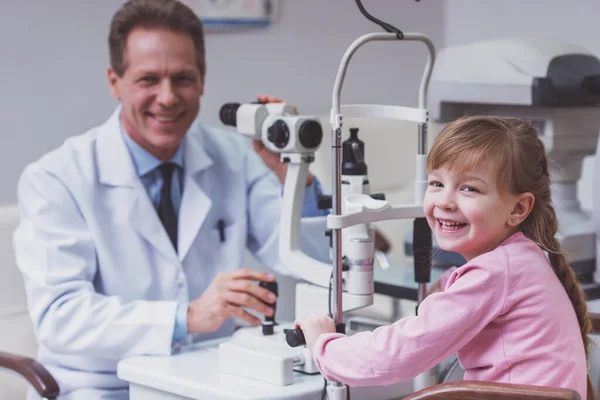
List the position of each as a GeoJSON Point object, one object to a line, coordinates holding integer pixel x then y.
{"type": "Point", "coordinates": [145, 162]}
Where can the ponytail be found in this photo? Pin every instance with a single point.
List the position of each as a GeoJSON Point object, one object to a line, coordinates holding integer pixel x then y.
{"type": "Point", "coordinates": [542, 230]}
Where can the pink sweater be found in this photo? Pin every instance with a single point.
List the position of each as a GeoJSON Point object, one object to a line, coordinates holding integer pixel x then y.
{"type": "Point", "coordinates": [505, 314]}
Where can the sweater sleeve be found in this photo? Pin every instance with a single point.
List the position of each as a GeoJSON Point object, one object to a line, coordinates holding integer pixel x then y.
{"type": "Point", "coordinates": [474, 295]}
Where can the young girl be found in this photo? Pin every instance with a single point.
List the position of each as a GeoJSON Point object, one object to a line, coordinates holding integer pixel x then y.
{"type": "Point", "coordinates": [510, 314]}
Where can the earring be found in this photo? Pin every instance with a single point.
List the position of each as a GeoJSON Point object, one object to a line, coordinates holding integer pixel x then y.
{"type": "Point", "coordinates": [513, 220]}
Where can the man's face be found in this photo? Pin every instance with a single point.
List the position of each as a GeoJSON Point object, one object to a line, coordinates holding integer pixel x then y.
{"type": "Point", "coordinates": [160, 89]}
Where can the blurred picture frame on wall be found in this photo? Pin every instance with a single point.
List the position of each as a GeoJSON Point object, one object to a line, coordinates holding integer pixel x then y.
{"type": "Point", "coordinates": [220, 15]}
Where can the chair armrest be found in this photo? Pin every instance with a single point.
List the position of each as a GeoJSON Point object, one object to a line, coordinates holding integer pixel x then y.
{"type": "Point", "coordinates": [474, 390]}
{"type": "Point", "coordinates": [595, 318]}
{"type": "Point", "coordinates": [33, 372]}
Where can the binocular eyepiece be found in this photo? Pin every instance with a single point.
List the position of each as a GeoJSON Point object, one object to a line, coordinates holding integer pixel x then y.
{"type": "Point", "coordinates": [276, 124]}
{"type": "Point", "coordinates": [228, 113]}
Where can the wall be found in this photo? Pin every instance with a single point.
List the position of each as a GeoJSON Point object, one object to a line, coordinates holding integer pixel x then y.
{"type": "Point", "coordinates": [572, 21]}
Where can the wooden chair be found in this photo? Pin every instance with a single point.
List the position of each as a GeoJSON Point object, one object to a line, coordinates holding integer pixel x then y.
{"type": "Point", "coordinates": [472, 390]}
{"type": "Point", "coordinates": [37, 376]}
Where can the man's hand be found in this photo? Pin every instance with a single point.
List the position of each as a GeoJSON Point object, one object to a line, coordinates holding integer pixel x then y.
{"type": "Point", "coordinates": [313, 327]}
{"type": "Point", "coordinates": [271, 159]}
{"type": "Point", "coordinates": [381, 242]}
{"type": "Point", "coordinates": [225, 297]}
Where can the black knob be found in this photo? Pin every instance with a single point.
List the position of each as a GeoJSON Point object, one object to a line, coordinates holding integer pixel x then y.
{"type": "Point", "coordinates": [324, 202]}
{"type": "Point", "coordinates": [351, 148]}
{"type": "Point", "coordinates": [310, 134]}
{"type": "Point", "coordinates": [345, 264]}
{"type": "Point", "coordinates": [294, 337]}
{"type": "Point", "coordinates": [279, 134]}
{"type": "Point", "coordinates": [271, 286]}
{"type": "Point", "coordinates": [268, 329]}
{"type": "Point", "coordinates": [269, 322]}
{"type": "Point", "coordinates": [228, 113]}
{"type": "Point", "coordinates": [378, 196]}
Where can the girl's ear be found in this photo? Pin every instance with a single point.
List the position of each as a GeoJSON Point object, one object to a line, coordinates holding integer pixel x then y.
{"type": "Point", "coordinates": [523, 206]}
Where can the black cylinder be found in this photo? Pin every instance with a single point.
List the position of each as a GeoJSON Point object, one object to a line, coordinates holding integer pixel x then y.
{"type": "Point", "coordinates": [422, 247]}
{"type": "Point", "coordinates": [310, 134]}
{"type": "Point", "coordinates": [294, 337]}
{"type": "Point", "coordinates": [269, 322]}
{"type": "Point", "coordinates": [270, 286]}
{"type": "Point", "coordinates": [228, 113]}
{"type": "Point", "coordinates": [350, 165]}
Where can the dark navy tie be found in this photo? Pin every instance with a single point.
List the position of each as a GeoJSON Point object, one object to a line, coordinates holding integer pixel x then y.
{"type": "Point", "coordinates": [166, 211]}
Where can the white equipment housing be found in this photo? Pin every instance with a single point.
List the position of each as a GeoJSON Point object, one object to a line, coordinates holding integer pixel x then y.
{"type": "Point", "coordinates": [555, 86]}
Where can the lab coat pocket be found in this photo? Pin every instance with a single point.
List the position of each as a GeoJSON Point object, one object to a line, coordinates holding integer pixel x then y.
{"type": "Point", "coordinates": [228, 242]}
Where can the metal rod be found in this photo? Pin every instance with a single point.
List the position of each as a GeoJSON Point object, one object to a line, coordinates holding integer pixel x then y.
{"type": "Point", "coordinates": [422, 139]}
{"type": "Point", "coordinates": [422, 292]}
{"type": "Point", "coordinates": [336, 153]}
{"type": "Point", "coordinates": [337, 87]}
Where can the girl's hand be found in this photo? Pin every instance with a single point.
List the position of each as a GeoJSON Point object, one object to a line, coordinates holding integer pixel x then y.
{"type": "Point", "coordinates": [313, 327]}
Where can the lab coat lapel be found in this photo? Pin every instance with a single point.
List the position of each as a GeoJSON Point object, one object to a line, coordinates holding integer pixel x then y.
{"type": "Point", "coordinates": [195, 204]}
{"type": "Point", "coordinates": [117, 170]}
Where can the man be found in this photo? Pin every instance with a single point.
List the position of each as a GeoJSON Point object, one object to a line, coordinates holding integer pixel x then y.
{"type": "Point", "coordinates": [133, 235]}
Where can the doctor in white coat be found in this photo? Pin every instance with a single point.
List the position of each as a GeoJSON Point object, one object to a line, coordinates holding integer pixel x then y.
{"type": "Point", "coordinates": [133, 234]}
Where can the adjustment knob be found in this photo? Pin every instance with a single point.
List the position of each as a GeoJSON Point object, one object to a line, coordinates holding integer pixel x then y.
{"type": "Point", "coordinates": [270, 286]}
{"type": "Point", "coordinates": [269, 323]}
{"type": "Point", "coordinates": [279, 134]}
{"type": "Point", "coordinates": [294, 337]}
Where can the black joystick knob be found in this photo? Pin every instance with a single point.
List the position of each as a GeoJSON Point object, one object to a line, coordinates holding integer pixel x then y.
{"type": "Point", "coordinates": [294, 337]}
{"type": "Point", "coordinates": [268, 324]}
{"type": "Point", "coordinates": [279, 134]}
{"type": "Point", "coordinates": [324, 202]}
{"type": "Point", "coordinates": [353, 155]}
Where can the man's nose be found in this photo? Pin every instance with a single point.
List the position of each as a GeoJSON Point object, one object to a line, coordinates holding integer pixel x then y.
{"type": "Point", "coordinates": [446, 201]}
{"type": "Point", "coordinates": [166, 95]}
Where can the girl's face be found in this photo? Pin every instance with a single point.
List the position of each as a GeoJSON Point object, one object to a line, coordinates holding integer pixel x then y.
{"type": "Point", "coordinates": [466, 211]}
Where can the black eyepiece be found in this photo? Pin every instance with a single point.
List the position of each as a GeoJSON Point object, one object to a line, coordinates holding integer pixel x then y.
{"type": "Point", "coordinates": [310, 134]}
{"type": "Point", "coordinates": [228, 113]}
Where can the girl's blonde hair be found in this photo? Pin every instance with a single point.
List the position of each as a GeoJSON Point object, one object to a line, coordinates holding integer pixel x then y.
{"type": "Point", "coordinates": [520, 158]}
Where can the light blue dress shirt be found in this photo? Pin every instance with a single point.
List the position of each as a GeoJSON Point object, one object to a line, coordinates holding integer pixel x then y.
{"type": "Point", "coordinates": [146, 167]}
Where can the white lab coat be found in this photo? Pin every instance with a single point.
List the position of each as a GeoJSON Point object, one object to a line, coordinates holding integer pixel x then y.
{"type": "Point", "coordinates": [102, 278]}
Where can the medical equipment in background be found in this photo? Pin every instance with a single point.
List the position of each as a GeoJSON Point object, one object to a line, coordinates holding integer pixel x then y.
{"type": "Point", "coordinates": [555, 86]}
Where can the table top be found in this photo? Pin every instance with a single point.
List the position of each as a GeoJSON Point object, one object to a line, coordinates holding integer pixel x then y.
{"type": "Point", "coordinates": [194, 373]}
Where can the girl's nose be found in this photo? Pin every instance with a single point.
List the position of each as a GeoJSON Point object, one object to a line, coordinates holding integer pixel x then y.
{"type": "Point", "coordinates": [445, 202]}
